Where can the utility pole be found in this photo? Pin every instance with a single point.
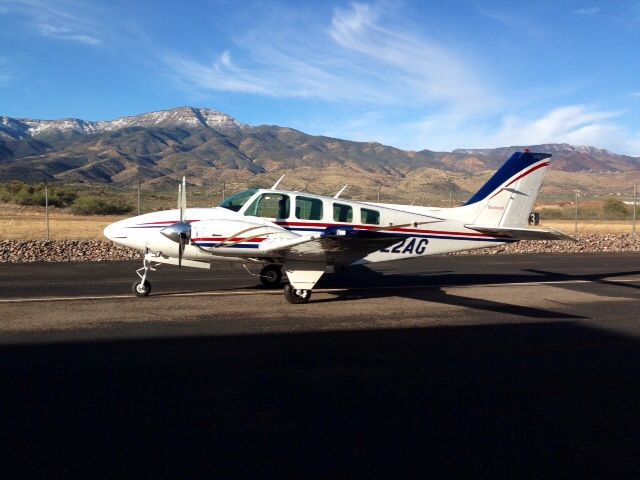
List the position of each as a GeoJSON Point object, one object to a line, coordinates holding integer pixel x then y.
{"type": "Point", "coordinates": [46, 207]}
{"type": "Point", "coordinates": [224, 190]}
{"type": "Point", "coordinates": [450, 197]}
{"type": "Point", "coordinates": [138, 196]}
{"type": "Point", "coordinates": [379, 187]}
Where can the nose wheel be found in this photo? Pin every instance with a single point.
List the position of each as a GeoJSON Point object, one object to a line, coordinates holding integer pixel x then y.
{"type": "Point", "coordinates": [140, 288]}
{"type": "Point", "coordinates": [271, 276]}
{"type": "Point", "coordinates": [296, 296]}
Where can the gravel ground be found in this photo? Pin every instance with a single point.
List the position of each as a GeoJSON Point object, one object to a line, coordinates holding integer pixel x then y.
{"type": "Point", "coordinates": [21, 251]}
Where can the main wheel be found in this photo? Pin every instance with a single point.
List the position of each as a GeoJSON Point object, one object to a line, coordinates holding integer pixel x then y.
{"type": "Point", "coordinates": [141, 289]}
{"type": "Point", "coordinates": [296, 296]}
{"type": "Point", "coordinates": [271, 276]}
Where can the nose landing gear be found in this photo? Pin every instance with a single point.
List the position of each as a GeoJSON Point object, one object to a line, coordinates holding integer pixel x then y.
{"type": "Point", "coordinates": [142, 287]}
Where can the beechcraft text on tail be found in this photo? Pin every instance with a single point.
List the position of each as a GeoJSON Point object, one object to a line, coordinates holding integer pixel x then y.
{"type": "Point", "coordinates": [301, 234]}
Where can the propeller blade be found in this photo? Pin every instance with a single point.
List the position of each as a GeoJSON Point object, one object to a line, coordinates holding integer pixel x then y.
{"type": "Point", "coordinates": [183, 199]}
{"type": "Point", "coordinates": [181, 243]}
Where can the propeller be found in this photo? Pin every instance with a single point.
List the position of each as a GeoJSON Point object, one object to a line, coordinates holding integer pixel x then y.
{"type": "Point", "coordinates": [179, 232]}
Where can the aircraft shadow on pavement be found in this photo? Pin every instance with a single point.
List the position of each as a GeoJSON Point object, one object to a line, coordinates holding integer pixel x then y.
{"type": "Point", "coordinates": [365, 277]}
{"type": "Point", "coordinates": [438, 295]}
{"type": "Point", "coordinates": [543, 400]}
{"type": "Point", "coordinates": [407, 286]}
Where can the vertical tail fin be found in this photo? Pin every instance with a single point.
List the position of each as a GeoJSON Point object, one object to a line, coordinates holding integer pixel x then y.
{"type": "Point", "coordinates": [507, 199]}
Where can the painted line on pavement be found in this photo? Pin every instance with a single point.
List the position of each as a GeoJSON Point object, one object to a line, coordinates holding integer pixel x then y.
{"type": "Point", "coordinates": [319, 290]}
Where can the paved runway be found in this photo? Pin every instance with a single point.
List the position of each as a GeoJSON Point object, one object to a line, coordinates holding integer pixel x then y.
{"type": "Point", "coordinates": [484, 366]}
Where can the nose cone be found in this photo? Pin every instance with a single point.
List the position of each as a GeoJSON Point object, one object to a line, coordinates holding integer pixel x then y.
{"type": "Point", "coordinates": [116, 232]}
{"type": "Point", "coordinates": [177, 231]}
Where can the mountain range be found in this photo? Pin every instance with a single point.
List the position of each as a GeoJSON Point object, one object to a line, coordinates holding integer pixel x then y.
{"type": "Point", "coordinates": [208, 146]}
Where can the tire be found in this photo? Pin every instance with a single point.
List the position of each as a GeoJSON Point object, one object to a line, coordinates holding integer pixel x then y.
{"type": "Point", "coordinates": [271, 276]}
{"type": "Point", "coordinates": [141, 290]}
{"type": "Point", "coordinates": [296, 297]}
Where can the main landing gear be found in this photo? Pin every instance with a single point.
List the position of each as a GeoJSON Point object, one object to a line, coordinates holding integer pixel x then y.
{"type": "Point", "coordinates": [271, 276]}
{"type": "Point", "coordinates": [296, 296]}
{"type": "Point", "coordinates": [142, 287]}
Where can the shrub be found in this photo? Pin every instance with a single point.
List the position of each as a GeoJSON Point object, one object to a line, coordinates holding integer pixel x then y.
{"type": "Point", "coordinates": [24, 194]}
{"type": "Point", "coordinates": [614, 208]}
{"type": "Point", "coordinates": [92, 205]}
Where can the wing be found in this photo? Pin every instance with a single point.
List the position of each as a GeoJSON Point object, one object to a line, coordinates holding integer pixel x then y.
{"type": "Point", "coordinates": [335, 246]}
{"type": "Point", "coordinates": [523, 233]}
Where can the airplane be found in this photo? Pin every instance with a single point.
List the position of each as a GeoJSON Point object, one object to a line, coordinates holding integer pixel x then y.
{"type": "Point", "coordinates": [303, 233]}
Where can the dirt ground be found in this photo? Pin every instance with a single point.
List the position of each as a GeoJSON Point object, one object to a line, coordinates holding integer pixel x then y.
{"type": "Point", "coordinates": [29, 223]}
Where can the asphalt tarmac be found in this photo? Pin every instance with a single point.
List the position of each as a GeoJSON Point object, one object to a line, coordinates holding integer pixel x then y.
{"type": "Point", "coordinates": [483, 366]}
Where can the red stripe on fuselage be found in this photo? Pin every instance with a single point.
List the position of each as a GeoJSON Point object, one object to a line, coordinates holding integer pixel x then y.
{"type": "Point", "coordinates": [395, 230]}
{"type": "Point", "coordinates": [223, 239]}
{"type": "Point", "coordinates": [168, 222]}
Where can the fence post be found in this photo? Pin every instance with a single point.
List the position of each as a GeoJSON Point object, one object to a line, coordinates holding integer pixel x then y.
{"type": "Point", "coordinates": [635, 196]}
{"type": "Point", "coordinates": [46, 207]}
{"type": "Point", "coordinates": [576, 226]}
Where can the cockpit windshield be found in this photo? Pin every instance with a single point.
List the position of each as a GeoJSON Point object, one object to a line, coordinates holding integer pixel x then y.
{"type": "Point", "coordinates": [236, 202]}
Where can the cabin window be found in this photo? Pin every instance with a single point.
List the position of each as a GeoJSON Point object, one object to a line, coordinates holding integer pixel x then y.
{"type": "Point", "coordinates": [370, 217]}
{"type": "Point", "coordinates": [270, 205]}
{"type": "Point", "coordinates": [342, 213]}
{"type": "Point", "coordinates": [236, 202]}
{"type": "Point", "coordinates": [308, 208]}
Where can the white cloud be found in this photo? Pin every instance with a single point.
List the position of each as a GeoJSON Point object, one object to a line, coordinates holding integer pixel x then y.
{"type": "Point", "coordinates": [63, 33]}
{"type": "Point", "coordinates": [556, 125]}
{"type": "Point", "coordinates": [53, 19]}
{"type": "Point", "coordinates": [445, 131]}
{"type": "Point", "coordinates": [359, 56]}
{"type": "Point", "coordinates": [588, 11]}
{"type": "Point", "coordinates": [576, 124]}
{"type": "Point", "coordinates": [521, 24]}
{"type": "Point", "coordinates": [635, 94]}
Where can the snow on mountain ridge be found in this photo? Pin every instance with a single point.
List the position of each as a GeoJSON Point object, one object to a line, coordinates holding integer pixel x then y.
{"type": "Point", "coordinates": [546, 147]}
{"type": "Point", "coordinates": [182, 116]}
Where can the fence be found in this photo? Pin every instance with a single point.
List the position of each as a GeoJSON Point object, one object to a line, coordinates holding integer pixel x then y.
{"type": "Point", "coordinates": [573, 210]}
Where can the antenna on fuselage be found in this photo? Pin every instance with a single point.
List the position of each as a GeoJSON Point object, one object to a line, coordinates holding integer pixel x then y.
{"type": "Point", "coordinates": [275, 185]}
{"type": "Point", "coordinates": [341, 190]}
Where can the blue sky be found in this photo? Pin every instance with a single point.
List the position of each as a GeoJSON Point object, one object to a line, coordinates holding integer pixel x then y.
{"type": "Point", "coordinates": [437, 75]}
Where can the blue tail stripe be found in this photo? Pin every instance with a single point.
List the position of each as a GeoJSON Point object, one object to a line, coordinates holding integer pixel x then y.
{"type": "Point", "coordinates": [518, 162]}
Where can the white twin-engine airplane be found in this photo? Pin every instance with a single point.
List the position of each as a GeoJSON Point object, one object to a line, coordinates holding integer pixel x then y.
{"type": "Point", "coordinates": [304, 233]}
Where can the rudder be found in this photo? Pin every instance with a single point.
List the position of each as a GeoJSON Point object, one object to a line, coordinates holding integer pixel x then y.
{"type": "Point", "coordinates": [507, 199]}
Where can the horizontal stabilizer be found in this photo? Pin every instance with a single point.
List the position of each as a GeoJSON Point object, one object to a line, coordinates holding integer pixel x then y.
{"type": "Point", "coordinates": [523, 233]}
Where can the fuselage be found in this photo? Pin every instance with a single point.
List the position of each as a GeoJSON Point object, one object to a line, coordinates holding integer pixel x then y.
{"type": "Point", "coordinates": [235, 230]}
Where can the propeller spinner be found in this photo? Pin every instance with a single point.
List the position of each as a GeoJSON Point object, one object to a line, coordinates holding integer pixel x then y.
{"type": "Point", "coordinates": [179, 232]}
